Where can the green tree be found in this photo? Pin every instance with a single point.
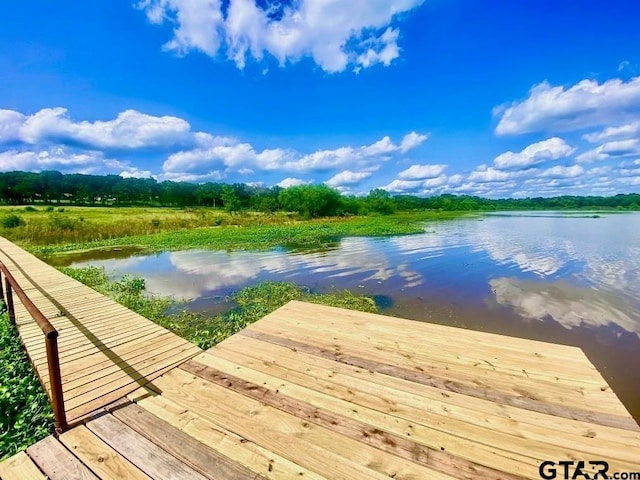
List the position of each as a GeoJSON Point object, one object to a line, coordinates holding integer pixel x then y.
{"type": "Point", "coordinates": [310, 201]}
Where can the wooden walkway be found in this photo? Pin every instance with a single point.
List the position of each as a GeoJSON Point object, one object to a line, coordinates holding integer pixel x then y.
{"type": "Point", "coordinates": [106, 350]}
{"type": "Point", "coordinates": [314, 392]}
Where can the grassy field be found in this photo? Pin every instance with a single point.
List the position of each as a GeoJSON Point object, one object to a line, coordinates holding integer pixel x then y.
{"type": "Point", "coordinates": [76, 229]}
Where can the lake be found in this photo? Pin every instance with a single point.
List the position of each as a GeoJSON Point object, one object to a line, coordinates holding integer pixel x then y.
{"type": "Point", "coordinates": [564, 278]}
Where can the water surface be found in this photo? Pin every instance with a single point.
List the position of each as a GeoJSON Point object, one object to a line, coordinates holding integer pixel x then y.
{"type": "Point", "coordinates": [569, 279]}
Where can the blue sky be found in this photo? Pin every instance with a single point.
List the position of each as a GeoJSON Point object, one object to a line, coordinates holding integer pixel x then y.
{"type": "Point", "coordinates": [497, 99]}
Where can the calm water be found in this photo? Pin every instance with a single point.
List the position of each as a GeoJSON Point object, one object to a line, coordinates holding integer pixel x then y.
{"type": "Point", "coordinates": [561, 278]}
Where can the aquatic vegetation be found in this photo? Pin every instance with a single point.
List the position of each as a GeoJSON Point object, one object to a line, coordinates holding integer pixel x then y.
{"type": "Point", "coordinates": [154, 231]}
{"type": "Point", "coordinates": [251, 304]}
{"type": "Point", "coordinates": [25, 413]}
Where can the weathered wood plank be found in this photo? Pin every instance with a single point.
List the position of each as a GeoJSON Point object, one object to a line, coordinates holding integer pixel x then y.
{"type": "Point", "coordinates": [482, 391]}
{"type": "Point", "coordinates": [350, 343]}
{"type": "Point", "coordinates": [260, 460]}
{"type": "Point", "coordinates": [57, 462]}
{"type": "Point", "coordinates": [395, 324]}
{"type": "Point", "coordinates": [312, 446]}
{"type": "Point", "coordinates": [100, 457]}
{"type": "Point", "coordinates": [345, 381]}
{"type": "Point", "coordinates": [140, 451]}
{"type": "Point", "coordinates": [201, 458]}
{"type": "Point", "coordinates": [371, 434]}
{"type": "Point", "coordinates": [20, 467]}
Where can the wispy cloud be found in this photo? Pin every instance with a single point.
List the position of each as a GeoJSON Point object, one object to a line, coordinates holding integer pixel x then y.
{"type": "Point", "coordinates": [222, 153]}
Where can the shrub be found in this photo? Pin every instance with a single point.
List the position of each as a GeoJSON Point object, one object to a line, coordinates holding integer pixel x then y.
{"type": "Point", "coordinates": [59, 222]}
{"type": "Point", "coordinates": [30, 209]}
{"type": "Point", "coordinates": [11, 221]}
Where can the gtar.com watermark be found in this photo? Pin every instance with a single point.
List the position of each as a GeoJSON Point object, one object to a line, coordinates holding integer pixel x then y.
{"type": "Point", "coordinates": [582, 470]}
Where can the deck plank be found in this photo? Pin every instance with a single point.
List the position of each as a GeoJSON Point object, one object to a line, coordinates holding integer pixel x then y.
{"type": "Point", "coordinates": [501, 393]}
{"type": "Point", "coordinates": [314, 447]}
{"type": "Point", "coordinates": [100, 457]}
{"type": "Point", "coordinates": [140, 451]}
{"type": "Point", "coordinates": [201, 458]}
{"type": "Point", "coordinates": [20, 467]}
{"type": "Point", "coordinates": [381, 405]}
{"type": "Point", "coordinates": [57, 462]}
{"type": "Point", "coordinates": [346, 381]}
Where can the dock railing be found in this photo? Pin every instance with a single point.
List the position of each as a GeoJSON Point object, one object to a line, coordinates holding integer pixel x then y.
{"type": "Point", "coordinates": [50, 338]}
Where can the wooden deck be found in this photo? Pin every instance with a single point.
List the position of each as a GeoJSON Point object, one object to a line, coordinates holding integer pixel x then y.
{"type": "Point", "coordinates": [106, 350]}
{"type": "Point", "coordinates": [317, 392]}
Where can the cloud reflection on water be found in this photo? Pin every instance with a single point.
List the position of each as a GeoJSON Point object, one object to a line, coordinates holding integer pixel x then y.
{"type": "Point", "coordinates": [196, 272]}
{"type": "Point", "coordinates": [568, 305]}
{"type": "Point", "coordinates": [576, 270]}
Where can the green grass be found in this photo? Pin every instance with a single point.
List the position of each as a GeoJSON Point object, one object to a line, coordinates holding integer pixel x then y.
{"type": "Point", "coordinates": [252, 303]}
{"type": "Point", "coordinates": [31, 226]}
{"type": "Point", "coordinates": [250, 236]}
{"type": "Point", "coordinates": [25, 413]}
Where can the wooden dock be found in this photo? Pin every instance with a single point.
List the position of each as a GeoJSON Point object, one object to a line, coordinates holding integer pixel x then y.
{"type": "Point", "coordinates": [106, 350]}
{"type": "Point", "coordinates": [315, 392]}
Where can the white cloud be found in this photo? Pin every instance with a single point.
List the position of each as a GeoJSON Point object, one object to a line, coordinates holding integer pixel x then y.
{"type": "Point", "coordinates": [130, 129]}
{"type": "Point", "coordinates": [490, 175]}
{"type": "Point", "coordinates": [383, 49]}
{"type": "Point", "coordinates": [438, 181]}
{"type": "Point", "coordinates": [418, 187]}
{"type": "Point", "coordinates": [583, 105]}
{"type": "Point", "coordinates": [334, 34]}
{"type": "Point", "coordinates": [58, 159]}
{"type": "Point", "coordinates": [292, 182]}
{"type": "Point", "coordinates": [627, 130]}
{"type": "Point", "coordinates": [10, 123]}
{"type": "Point", "coordinates": [614, 149]}
{"type": "Point", "coordinates": [418, 172]}
{"type": "Point", "coordinates": [632, 181]}
{"type": "Point", "coordinates": [133, 172]}
{"type": "Point", "coordinates": [347, 177]}
{"type": "Point", "coordinates": [550, 149]}
{"type": "Point", "coordinates": [381, 147]}
{"type": "Point", "coordinates": [400, 186]}
{"type": "Point", "coordinates": [563, 172]}
{"type": "Point", "coordinates": [223, 152]}
{"type": "Point", "coordinates": [412, 140]}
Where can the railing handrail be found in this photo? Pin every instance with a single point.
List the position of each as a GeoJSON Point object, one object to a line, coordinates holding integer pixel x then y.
{"type": "Point", "coordinates": [36, 314]}
{"type": "Point", "coordinates": [51, 343]}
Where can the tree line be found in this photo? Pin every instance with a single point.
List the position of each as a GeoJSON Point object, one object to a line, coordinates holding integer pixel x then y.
{"type": "Point", "coordinates": [51, 187]}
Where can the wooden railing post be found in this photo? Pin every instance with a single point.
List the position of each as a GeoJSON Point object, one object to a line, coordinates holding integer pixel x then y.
{"type": "Point", "coordinates": [10, 308]}
{"type": "Point", "coordinates": [55, 381]}
{"type": "Point", "coordinates": [4, 305]}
